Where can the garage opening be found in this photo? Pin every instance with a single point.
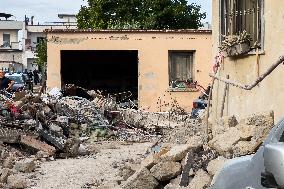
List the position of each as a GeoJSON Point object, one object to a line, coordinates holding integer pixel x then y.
{"type": "Point", "coordinates": [110, 71]}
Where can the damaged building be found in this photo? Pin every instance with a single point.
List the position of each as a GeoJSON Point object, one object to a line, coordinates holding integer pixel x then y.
{"type": "Point", "coordinates": [245, 92]}
{"type": "Point", "coordinates": [159, 68]}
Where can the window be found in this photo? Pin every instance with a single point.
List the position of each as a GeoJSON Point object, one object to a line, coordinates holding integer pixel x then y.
{"type": "Point", "coordinates": [242, 15]}
{"type": "Point", "coordinates": [6, 40]}
{"type": "Point", "coordinates": [181, 68]}
{"type": "Point", "coordinates": [39, 39]}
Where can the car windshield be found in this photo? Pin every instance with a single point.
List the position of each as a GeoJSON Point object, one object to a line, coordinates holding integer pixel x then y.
{"type": "Point", "coordinates": [17, 79]}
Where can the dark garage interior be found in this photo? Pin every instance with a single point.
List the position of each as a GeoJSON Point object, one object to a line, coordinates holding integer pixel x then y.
{"type": "Point", "coordinates": [110, 71]}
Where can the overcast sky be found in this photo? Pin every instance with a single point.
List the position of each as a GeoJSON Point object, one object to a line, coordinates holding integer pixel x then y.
{"type": "Point", "coordinates": [47, 10]}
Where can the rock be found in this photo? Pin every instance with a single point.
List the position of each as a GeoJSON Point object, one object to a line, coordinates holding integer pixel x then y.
{"type": "Point", "coordinates": [142, 179]}
{"type": "Point", "coordinates": [246, 131]}
{"type": "Point", "coordinates": [173, 186]}
{"type": "Point", "coordinates": [17, 182]}
{"type": "Point", "coordinates": [4, 174]}
{"type": "Point", "coordinates": [25, 166]}
{"type": "Point", "coordinates": [150, 161]}
{"type": "Point", "coordinates": [83, 150]}
{"type": "Point", "coordinates": [166, 170]}
{"type": "Point", "coordinates": [264, 119]}
{"type": "Point", "coordinates": [42, 154]}
{"type": "Point", "coordinates": [244, 148]}
{"type": "Point", "coordinates": [178, 152]}
{"type": "Point", "coordinates": [223, 143]}
{"type": "Point", "coordinates": [112, 185]}
{"type": "Point", "coordinates": [223, 124]}
{"type": "Point", "coordinates": [126, 172]}
{"type": "Point", "coordinates": [9, 162]}
{"type": "Point", "coordinates": [201, 180]}
{"type": "Point", "coordinates": [196, 141]}
{"type": "Point", "coordinates": [176, 180]}
{"type": "Point", "coordinates": [215, 165]}
{"type": "Point", "coordinates": [55, 128]}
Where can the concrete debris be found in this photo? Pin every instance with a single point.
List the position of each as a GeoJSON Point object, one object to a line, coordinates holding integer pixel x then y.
{"type": "Point", "coordinates": [223, 143]}
{"type": "Point", "coordinates": [37, 145]}
{"type": "Point", "coordinates": [178, 152]}
{"type": "Point", "coordinates": [201, 180]}
{"type": "Point", "coordinates": [17, 182]}
{"type": "Point", "coordinates": [9, 162]}
{"type": "Point", "coordinates": [126, 172]}
{"type": "Point", "coordinates": [166, 170]}
{"type": "Point", "coordinates": [4, 174]}
{"type": "Point", "coordinates": [150, 161]}
{"type": "Point", "coordinates": [26, 166]}
{"type": "Point", "coordinates": [223, 125]}
{"type": "Point", "coordinates": [215, 165]}
{"type": "Point", "coordinates": [142, 179]}
{"type": "Point", "coordinates": [57, 125]}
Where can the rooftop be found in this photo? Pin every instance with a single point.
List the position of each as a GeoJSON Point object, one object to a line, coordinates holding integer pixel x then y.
{"type": "Point", "coordinates": [66, 15]}
{"type": "Point", "coordinates": [125, 31]}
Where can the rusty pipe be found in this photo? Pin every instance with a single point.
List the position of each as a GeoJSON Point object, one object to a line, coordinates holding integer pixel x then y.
{"type": "Point", "coordinates": [256, 82]}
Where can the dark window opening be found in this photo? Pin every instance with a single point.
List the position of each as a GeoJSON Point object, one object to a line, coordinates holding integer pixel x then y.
{"type": "Point", "coordinates": [110, 71]}
{"type": "Point", "coordinates": [40, 39]}
{"type": "Point", "coordinates": [6, 40]}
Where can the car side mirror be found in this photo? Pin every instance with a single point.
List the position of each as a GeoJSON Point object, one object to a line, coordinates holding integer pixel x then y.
{"type": "Point", "coordinates": [274, 165]}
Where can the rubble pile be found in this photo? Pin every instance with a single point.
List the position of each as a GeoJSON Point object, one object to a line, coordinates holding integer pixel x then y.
{"type": "Point", "coordinates": [35, 128]}
{"type": "Point", "coordinates": [193, 163]}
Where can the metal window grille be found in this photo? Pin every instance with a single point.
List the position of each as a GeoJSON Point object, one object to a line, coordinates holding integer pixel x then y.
{"type": "Point", "coordinates": [239, 15]}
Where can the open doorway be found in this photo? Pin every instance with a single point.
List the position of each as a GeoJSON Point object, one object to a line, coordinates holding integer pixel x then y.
{"type": "Point", "coordinates": [111, 71]}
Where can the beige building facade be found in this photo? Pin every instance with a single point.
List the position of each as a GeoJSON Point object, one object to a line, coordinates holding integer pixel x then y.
{"type": "Point", "coordinates": [263, 19]}
{"type": "Point", "coordinates": [168, 62]}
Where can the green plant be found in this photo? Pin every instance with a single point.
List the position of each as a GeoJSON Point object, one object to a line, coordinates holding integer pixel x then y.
{"type": "Point", "coordinates": [140, 14]}
{"type": "Point", "coordinates": [231, 40]}
{"type": "Point", "coordinates": [41, 54]}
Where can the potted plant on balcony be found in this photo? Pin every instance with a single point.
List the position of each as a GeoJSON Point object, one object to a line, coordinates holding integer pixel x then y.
{"type": "Point", "coordinates": [235, 45]}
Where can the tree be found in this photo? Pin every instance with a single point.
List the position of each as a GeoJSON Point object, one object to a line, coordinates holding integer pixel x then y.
{"type": "Point", "coordinates": [41, 54]}
{"type": "Point", "coordinates": [140, 14]}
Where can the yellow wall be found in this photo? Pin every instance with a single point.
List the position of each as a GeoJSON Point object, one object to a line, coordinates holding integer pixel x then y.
{"type": "Point", "coordinates": [152, 49]}
{"type": "Point", "coordinates": [269, 95]}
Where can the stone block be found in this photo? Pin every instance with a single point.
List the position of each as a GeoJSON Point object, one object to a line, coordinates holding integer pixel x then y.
{"type": "Point", "coordinates": [215, 165]}
{"type": "Point", "coordinates": [166, 170]}
{"type": "Point", "coordinates": [223, 143]}
{"type": "Point", "coordinates": [17, 182]}
{"type": "Point", "coordinates": [201, 180]}
{"type": "Point", "coordinates": [25, 166]}
{"type": "Point", "coordinates": [142, 179]}
{"type": "Point", "coordinates": [37, 144]}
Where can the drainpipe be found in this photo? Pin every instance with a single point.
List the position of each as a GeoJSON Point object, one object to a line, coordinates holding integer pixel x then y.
{"type": "Point", "coordinates": [256, 82]}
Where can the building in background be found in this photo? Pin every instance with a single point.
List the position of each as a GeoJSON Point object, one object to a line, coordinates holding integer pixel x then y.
{"type": "Point", "coordinates": [160, 68]}
{"type": "Point", "coordinates": [34, 33]}
{"type": "Point", "coordinates": [11, 52]}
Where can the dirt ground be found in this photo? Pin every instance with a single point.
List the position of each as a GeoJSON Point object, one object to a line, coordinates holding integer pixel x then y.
{"type": "Point", "coordinates": [86, 172]}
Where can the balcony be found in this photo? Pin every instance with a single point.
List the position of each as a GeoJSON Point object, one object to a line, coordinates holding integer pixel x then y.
{"type": "Point", "coordinates": [13, 46]}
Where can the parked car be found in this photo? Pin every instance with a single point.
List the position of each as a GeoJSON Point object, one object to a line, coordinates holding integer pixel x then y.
{"type": "Point", "coordinates": [19, 80]}
{"type": "Point", "coordinates": [264, 169]}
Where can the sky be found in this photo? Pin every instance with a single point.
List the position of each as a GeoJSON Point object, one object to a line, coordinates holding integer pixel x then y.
{"type": "Point", "coordinates": [47, 10]}
{"type": "Point", "coordinates": [206, 6]}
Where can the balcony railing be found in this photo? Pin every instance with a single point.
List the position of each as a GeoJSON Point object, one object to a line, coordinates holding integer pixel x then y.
{"type": "Point", "coordinates": [10, 46]}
